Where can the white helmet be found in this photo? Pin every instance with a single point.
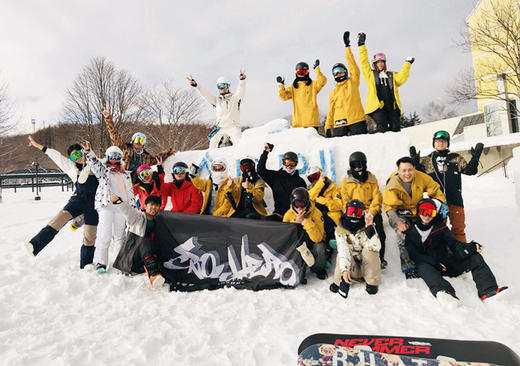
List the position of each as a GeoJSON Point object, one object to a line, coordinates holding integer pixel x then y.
{"type": "Point", "coordinates": [223, 83]}
{"type": "Point", "coordinates": [113, 153]}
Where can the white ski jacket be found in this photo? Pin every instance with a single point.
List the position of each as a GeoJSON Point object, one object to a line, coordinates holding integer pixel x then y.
{"type": "Point", "coordinates": [227, 106]}
{"type": "Point", "coordinates": [69, 167]}
{"type": "Point", "coordinates": [350, 246]}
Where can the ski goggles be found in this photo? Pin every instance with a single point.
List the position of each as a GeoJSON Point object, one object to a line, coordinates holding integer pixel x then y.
{"type": "Point", "coordinates": [289, 164]}
{"type": "Point", "coordinates": [441, 135]}
{"type": "Point", "coordinates": [114, 156]}
{"type": "Point", "coordinates": [338, 70]}
{"type": "Point", "coordinates": [299, 204]}
{"type": "Point", "coordinates": [302, 72]}
{"type": "Point", "coordinates": [180, 170]}
{"type": "Point", "coordinates": [139, 140]}
{"type": "Point", "coordinates": [313, 177]}
{"type": "Point", "coordinates": [218, 168]}
{"type": "Point", "coordinates": [427, 211]}
{"type": "Point", "coordinates": [222, 86]}
{"type": "Point", "coordinates": [354, 211]}
{"type": "Point", "coordinates": [144, 173]}
{"type": "Point", "coordinates": [75, 155]}
{"type": "Point", "coordinates": [245, 167]}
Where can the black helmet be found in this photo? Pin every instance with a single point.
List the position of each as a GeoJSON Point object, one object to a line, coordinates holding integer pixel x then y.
{"type": "Point", "coordinates": [181, 168]}
{"type": "Point", "coordinates": [302, 66]}
{"type": "Point", "coordinates": [444, 135]}
{"type": "Point", "coordinates": [289, 155]}
{"type": "Point", "coordinates": [247, 160]}
{"type": "Point", "coordinates": [357, 160]}
{"type": "Point", "coordinates": [336, 69]}
{"type": "Point", "coordinates": [356, 203]}
{"type": "Point", "coordinates": [300, 194]}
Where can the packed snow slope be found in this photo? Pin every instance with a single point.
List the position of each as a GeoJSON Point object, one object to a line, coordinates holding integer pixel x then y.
{"type": "Point", "coordinates": [51, 312]}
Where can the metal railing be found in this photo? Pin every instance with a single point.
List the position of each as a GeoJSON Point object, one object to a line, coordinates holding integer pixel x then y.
{"type": "Point", "coordinates": [35, 181]}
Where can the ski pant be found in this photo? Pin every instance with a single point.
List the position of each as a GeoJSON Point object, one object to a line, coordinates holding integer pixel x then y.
{"type": "Point", "coordinates": [112, 223]}
{"type": "Point", "coordinates": [146, 257]}
{"type": "Point", "coordinates": [369, 268]}
{"type": "Point", "coordinates": [378, 222]}
{"type": "Point", "coordinates": [76, 206]}
{"type": "Point", "coordinates": [358, 128]}
{"type": "Point", "coordinates": [482, 276]}
{"type": "Point", "coordinates": [319, 252]}
{"type": "Point", "coordinates": [457, 221]}
{"type": "Point", "coordinates": [387, 119]}
{"type": "Point", "coordinates": [234, 134]}
{"type": "Point", "coordinates": [406, 262]}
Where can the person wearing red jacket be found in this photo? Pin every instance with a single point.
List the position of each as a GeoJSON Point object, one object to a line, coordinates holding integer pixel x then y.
{"type": "Point", "coordinates": [184, 195]}
{"type": "Point", "coordinates": [150, 183]}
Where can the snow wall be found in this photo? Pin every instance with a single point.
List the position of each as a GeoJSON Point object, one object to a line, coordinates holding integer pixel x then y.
{"type": "Point", "coordinates": [515, 165]}
{"type": "Point", "coordinates": [331, 154]}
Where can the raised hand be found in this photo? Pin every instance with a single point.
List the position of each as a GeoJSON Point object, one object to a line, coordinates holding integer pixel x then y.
{"type": "Point", "coordinates": [362, 37]}
{"type": "Point", "coordinates": [280, 80]}
{"type": "Point", "coordinates": [346, 38]}
{"type": "Point", "coordinates": [316, 64]}
{"type": "Point", "coordinates": [477, 150]}
{"type": "Point", "coordinates": [242, 74]}
{"type": "Point", "coordinates": [106, 112]}
{"type": "Point", "coordinates": [85, 146]}
{"type": "Point", "coordinates": [192, 81]}
{"type": "Point", "coordinates": [34, 143]}
{"type": "Point", "coordinates": [245, 184]}
{"type": "Point", "coordinates": [268, 147]}
{"type": "Point", "coordinates": [410, 59]}
{"type": "Point", "coordinates": [159, 160]}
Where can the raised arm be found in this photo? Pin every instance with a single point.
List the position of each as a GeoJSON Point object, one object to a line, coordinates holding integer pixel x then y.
{"type": "Point", "coordinates": [210, 98]}
{"type": "Point", "coordinates": [241, 90]}
{"type": "Point", "coordinates": [352, 66]}
{"type": "Point", "coordinates": [64, 163]}
{"type": "Point", "coordinates": [96, 166]}
{"type": "Point", "coordinates": [115, 135]}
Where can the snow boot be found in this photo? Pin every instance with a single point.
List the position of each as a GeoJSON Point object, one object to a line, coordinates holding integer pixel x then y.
{"type": "Point", "coordinates": [322, 275]}
{"type": "Point", "coordinates": [151, 266]}
{"type": "Point", "coordinates": [306, 254]}
{"type": "Point", "coordinates": [333, 243]}
{"type": "Point", "coordinates": [101, 268]}
{"type": "Point", "coordinates": [43, 238]}
{"type": "Point", "coordinates": [86, 255]}
{"type": "Point", "coordinates": [411, 273]}
{"type": "Point", "coordinates": [343, 289]}
{"type": "Point", "coordinates": [499, 291]}
{"type": "Point", "coordinates": [29, 249]}
{"type": "Point", "coordinates": [384, 264]}
{"type": "Point", "coordinates": [371, 289]}
{"type": "Point", "coordinates": [334, 288]}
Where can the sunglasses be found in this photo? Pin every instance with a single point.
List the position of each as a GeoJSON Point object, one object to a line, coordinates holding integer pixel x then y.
{"type": "Point", "coordinates": [427, 211]}
{"type": "Point", "coordinates": [289, 164]}
{"type": "Point", "coordinates": [441, 135]}
{"type": "Point", "coordinates": [114, 156]}
{"type": "Point", "coordinates": [313, 177]}
{"type": "Point", "coordinates": [180, 170]}
{"type": "Point", "coordinates": [139, 140]}
{"type": "Point", "coordinates": [75, 155]}
{"type": "Point", "coordinates": [338, 70]}
{"type": "Point", "coordinates": [222, 86]}
{"type": "Point", "coordinates": [354, 211]}
{"type": "Point", "coordinates": [144, 173]}
{"type": "Point", "coordinates": [302, 72]}
{"type": "Point", "coordinates": [299, 204]}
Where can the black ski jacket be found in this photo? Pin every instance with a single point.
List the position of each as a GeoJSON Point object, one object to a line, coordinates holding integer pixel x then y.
{"type": "Point", "coordinates": [281, 183]}
{"type": "Point", "coordinates": [449, 178]}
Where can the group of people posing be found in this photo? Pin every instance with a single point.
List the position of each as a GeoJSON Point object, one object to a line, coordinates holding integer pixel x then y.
{"type": "Point", "coordinates": [346, 115]}
{"type": "Point", "coordinates": [418, 199]}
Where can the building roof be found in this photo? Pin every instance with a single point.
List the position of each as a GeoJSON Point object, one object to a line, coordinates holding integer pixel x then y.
{"type": "Point", "coordinates": [470, 120]}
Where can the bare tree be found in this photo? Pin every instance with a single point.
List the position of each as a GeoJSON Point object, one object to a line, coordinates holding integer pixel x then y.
{"type": "Point", "coordinates": [175, 114]}
{"type": "Point", "coordinates": [496, 36]}
{"type": "Point", "coordinates": [5, 110]}
{"type": "Point", "coordinates": [436, 110]}
{"type": "Point", "coordinates": [101, 84]}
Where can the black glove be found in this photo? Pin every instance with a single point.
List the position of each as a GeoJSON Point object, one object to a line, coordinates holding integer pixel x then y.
{"type": "Point", "coordinates": [194, 169]}
{"type": "Point", "coordinates": [477, 151]}
{"type": "Point", "coordinates": [346, 38]}
{"type": "Point", "coordinates": [328, 132]}
{"type": "Point", "coordinates": [415, 156]}
{"type": "Point", "coordinates": [411, 273]}
{"type": "Point", "coordinates": [362, 37]}
{"type": "Point", "coordinates": [280, 80]}
{"type": "Point", "coordinates": [271, 147]}
{"type": "Point", "coordinates": [410, 59]}
{"type": "Point", "coordinates": [231, 200]}
{"type": "Point", "coordinates": [316, 64]}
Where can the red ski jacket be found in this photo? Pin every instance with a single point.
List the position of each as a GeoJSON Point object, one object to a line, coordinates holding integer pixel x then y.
{"type": "Point", "coordinates": [187, 198]}
{"type": "Point", "coordinates": [159, 189]}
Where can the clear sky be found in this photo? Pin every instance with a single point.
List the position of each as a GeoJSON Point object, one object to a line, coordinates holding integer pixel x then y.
{"type": "Point", "coordinates": [45, 44]}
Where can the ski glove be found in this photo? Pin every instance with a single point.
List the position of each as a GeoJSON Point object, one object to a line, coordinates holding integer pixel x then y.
{"type": "Point", "coordinates": [410, 59]}
{"type": "Point", "coordinates": [346, 38]}
{"type": "Point", "coordinates": [411, 273]}
{"type": "Point", "coordinates": [316, 64]}
{"type": "Point", "coordinates": [477, 151]}
{"type": "Point", "coordinates": [415, 156]}
{"type": "Point", "coordinates": [362, 37]}
{"type": "Point", "coordinates": [280, 80]}
{"type": "Point", "coordinates": [194, 169]}
{"type": "Point", "coordinates": [443, 210]}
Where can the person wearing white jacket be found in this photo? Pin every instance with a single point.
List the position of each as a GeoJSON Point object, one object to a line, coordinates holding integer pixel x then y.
{"type": "Point", "coordinates": [358, 251]}
{"type": "Point", "coordinates": [227, 107]}
{"type": "Point", "coordinates": [113, 180]}
{"type": "Point", "coordinates": [80, 203]}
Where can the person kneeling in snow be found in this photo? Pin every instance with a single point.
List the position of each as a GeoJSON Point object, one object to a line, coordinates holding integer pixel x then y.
{"type": "Point", "coordinates": [437, 253]}
{"type": "Point", "coordinates": [358, 251]}
{"type": "Point", "coordinates": [139, 250]}
{"type": "Point", "coordinates": [304, 212]}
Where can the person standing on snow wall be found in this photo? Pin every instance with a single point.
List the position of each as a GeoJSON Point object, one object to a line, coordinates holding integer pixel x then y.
{"type": "Point", "coordinates": [303, 91]}
{"type": "Point", "coordinates": [346, 115]}
{"type": "Point", "coordinates": [80, 203]}
{"type": "Point", "coordinates": [446, 167]}
{"type": "Point", "coordinates": [227, 107]}
{"type": "Point", "coordinates": [383, 103]}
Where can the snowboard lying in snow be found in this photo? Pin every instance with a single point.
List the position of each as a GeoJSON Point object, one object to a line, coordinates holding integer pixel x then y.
{"type": "Point", "coordinates": [338, 350]}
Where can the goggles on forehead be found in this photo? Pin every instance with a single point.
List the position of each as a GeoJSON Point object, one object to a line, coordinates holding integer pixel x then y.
{"type": "Point", "coordinates": [144, 173]}
{"type": "Point", "coordinates": [354, 211]}
{"type": "Point", "coordinates": [222, 86]}
{"type": "Point", "coordinates": [338, 70]}
{"type": "Point", "coordinates": [299, 204]}
{"type": "Point", "coordinates": [289, 164]}
{"type": "Point", "coordinates": [75, 155]}
{"type": "Point", "coordinates": [179, 170]}
{"type": "Point", "coordinates": [441, 135]}
{"type": "Point", "coordinates": [114, 156]}
{"type": "Point", "coordinates": [313, 177]}
{"type": "Point", "coordinates": [302, 72]}
{"type": "Point", "coordinates": [427, 211]}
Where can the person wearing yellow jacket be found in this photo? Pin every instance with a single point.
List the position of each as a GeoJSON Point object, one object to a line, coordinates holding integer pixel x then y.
{"type": "Point", "coordinates": [303, 91]}
{"type": "Point", "coordinates": [360, 184]}
{"type": "Point", "coordinates": [312, 248]}
{"type": "Point", "coordinates": [244, 194]}
{"type": "Point", "coordinates": [404, 189]}
{"type": "Point", "coordinates": [383, 103]}
{"type": "Point", "coordinates": [346, 114]}
{"type": "Point", "coordinates": [214, 188]}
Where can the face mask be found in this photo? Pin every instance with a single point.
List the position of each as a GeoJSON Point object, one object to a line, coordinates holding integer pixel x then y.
{"type": "Point", "coordinates": [289, 170]}
{"type": "Point", "coordinates": [219, 177]}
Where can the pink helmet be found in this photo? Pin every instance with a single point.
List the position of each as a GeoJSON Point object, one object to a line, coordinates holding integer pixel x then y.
{"type": "Point", "coordinates": [143, 167]}
{"type": "Point", "coordinates": [380, 56]}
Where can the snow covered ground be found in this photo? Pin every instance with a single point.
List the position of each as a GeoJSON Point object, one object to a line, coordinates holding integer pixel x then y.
{"type": "Point", "coordinates": [54, 313]}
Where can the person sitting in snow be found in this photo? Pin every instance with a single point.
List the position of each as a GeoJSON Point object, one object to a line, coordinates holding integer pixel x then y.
{"type": "Point", "coordinates": [282, 181]}
{"type": "Point", "coordinates": [436, 253]}
{"type": "Point", "coordinates": [312, 247]}
{"type": "Point", "coordinates": [184, 195]}
{"type": "Point", "coordinates": [358, 251]}
{"type": "Point", "coordinates": [150, 183]}
{"type": "Point", "coordinates": [214, 189]}
{"type": "Point", "coordinates": [227, 107]}
{"type": "Point", "coordinates": [139, 253]}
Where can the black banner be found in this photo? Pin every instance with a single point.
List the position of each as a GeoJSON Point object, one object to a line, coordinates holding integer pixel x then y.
{"type": "Point", "coordinates": [207, 252]}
